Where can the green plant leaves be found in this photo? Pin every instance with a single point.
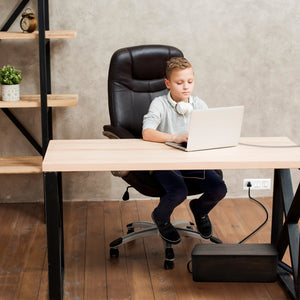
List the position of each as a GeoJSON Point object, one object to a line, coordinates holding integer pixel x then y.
{"type": "Point", "coordinates": [9, 75]}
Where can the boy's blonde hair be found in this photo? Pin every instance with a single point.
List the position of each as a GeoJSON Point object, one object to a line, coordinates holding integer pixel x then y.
{"type": "Point", "coordinates": [176, 63]}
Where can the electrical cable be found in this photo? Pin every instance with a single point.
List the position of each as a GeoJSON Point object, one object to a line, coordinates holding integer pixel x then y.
{"type": "Point", "coordinates": [263, 223]}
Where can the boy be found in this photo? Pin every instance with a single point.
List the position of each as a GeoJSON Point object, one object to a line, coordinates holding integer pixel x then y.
{"type": "Point", "coordinates": [167, 120]}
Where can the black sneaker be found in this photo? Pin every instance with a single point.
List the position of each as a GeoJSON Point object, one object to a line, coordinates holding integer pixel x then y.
{"type": "Point", "coordinates": [166, 230]}
{"type": "Point", "coordinates": [203, 222]}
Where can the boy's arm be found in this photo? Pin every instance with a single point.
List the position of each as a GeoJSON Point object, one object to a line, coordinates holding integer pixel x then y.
{"type": "Point", "coordinates": [153, 135]}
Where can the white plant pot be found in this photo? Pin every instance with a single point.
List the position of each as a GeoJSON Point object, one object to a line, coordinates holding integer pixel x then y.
{"type": "Point", "coordinates": [11, 92]}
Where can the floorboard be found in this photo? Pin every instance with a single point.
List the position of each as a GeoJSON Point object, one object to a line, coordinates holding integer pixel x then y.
{"type": "Point", "coordinates": [138, 272]}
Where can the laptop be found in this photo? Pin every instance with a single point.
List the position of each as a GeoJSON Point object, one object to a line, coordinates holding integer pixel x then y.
{"type": "Point", "coordinates": [213, 128]}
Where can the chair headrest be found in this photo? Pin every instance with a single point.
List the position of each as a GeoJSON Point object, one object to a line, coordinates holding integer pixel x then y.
{"type": "Point", "coordinates": [141, 67]}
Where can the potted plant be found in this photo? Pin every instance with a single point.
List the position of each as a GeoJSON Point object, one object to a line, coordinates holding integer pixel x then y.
{"type": "Point", "coordinates": [10, 79]}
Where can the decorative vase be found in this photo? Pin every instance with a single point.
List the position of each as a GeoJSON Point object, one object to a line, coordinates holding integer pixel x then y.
{"type": "Point", "coordinates": [11, 92]}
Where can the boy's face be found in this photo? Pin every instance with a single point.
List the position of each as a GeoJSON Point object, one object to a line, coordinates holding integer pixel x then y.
{"type": "Point", "coordinates": [181, 84]}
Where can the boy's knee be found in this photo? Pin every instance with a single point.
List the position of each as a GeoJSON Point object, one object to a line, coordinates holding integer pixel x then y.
{"type": "Point", "coordinates": [178, 194]}
{"type": "Point", "coordinates": [221, 190]}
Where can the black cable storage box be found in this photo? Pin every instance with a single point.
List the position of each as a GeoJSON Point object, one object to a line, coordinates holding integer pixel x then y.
{"type": "Point", "coordinates": [234, 262]}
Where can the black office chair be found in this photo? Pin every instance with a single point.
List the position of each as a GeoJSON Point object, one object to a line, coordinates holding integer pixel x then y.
{"type": "Point", "coordinates": [136, 76]}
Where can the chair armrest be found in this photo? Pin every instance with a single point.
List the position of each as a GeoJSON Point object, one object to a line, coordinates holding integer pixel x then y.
{"type": "Point", "coordinates": [116, 132]}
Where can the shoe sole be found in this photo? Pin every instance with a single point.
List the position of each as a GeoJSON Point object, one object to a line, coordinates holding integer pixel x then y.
{"type": "Point", "coordinates": [168, 241]}
{"type": "Point", "coordinates": [165, 239]}
{"type": "Point", "coordinates": [205, 237]}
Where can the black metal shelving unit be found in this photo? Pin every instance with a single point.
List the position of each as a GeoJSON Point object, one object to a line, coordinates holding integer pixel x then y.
{"type": "Point", "coordinates": [44, 35]}
{"type": "Point", "coordinates": [46, 100]}
{"type": "Point", "coordinates": [45, 108]}
{"type": "Point", "coordinates": [43, 53]}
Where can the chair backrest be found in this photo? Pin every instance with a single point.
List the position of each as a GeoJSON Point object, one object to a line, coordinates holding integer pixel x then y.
{"type": "Point", "coordinates": [136, 76]}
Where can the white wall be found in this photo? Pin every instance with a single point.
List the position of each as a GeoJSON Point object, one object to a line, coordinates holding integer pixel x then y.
{"type": "Point", "coordinates": [243, 52]}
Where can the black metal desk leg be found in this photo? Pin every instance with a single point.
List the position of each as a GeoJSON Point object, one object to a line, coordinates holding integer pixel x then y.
{"type": "Point", "coordinates": [60, 194]}
{"type": "Point", "coordinates": [54, 235]}
{"type": "Point", "coordinates": [277, 213]}
{"type": "Point", "coordinates": [289, 233]}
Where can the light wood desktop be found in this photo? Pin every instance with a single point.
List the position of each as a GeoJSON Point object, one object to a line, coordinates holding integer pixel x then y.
{"type": "Point", "coordinates": [278, 153]}
{"type": "Point", "coordinates": [134, 154]}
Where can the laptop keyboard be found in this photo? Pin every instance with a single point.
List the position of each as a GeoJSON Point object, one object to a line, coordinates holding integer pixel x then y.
{"type": "Point", "coordinates": [183, 144]}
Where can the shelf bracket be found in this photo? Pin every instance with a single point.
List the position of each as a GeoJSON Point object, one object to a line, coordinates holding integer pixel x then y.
{"type": "Point", "coordinates": [23, 130]}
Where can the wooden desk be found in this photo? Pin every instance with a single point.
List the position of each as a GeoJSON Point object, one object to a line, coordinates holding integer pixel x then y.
{"type": "Point", "coordinates": [134, 154]}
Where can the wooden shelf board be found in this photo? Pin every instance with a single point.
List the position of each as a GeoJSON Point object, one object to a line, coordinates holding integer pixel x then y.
{"type": "Point", "coordinates": [21, 165]}
{"type": "Point", "coordinates": [35, 101]}
{"type": "Point", "coordinates": [50, 34]}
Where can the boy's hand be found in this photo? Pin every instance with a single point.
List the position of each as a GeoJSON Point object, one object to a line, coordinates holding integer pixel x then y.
{"type": "Point", "coordinates": [181, 138]}
{"type": "Point", "coordinates": [153, 135]}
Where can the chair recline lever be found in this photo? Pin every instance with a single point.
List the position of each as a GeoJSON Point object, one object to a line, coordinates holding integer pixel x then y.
{"type": "Point", "coordinates": [126, 194]}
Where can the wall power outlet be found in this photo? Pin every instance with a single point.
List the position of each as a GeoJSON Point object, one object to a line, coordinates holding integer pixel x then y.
{"type": "Point", "coordinates": [258, 184]}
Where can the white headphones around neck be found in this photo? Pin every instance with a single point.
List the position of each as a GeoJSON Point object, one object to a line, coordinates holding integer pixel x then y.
{"type": "Point", "coordinates": [182, 108]}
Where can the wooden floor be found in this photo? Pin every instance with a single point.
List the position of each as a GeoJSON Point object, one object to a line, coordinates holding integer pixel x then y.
{"type": "Point", "coordinates": [138, 273]}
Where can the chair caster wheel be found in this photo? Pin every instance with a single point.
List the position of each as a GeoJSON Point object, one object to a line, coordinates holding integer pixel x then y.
{"type": "Point", "coordinates": [169, 261]}
{"type": "Point", "coordinates": [130, 230]}
{"type": "Point", "coordinates": [168, 264]}
{"type": "Point", "coordinates": [114, 252]}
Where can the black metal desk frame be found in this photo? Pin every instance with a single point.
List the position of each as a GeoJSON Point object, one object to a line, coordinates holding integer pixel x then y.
{"type": "Point", "coordinates": [285, 232]}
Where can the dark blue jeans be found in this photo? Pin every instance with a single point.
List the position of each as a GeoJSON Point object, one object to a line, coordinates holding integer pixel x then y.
{"type": "Point", "coordinates": [208, 183]}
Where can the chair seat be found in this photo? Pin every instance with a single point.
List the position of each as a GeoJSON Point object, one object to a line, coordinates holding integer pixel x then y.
{"type": "Point", "coordinates": [147, 184]}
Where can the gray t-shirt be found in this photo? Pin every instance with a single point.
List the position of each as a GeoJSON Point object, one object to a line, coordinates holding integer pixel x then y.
{"type": "Point", "coordinates": [163, 117]}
